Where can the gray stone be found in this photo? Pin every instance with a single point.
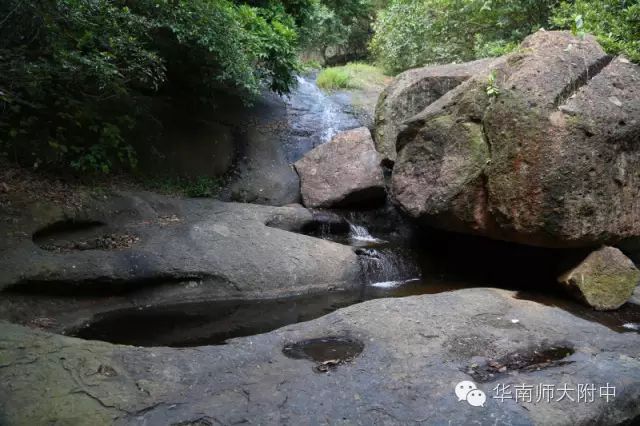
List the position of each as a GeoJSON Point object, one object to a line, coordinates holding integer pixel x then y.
{"type": "Point", "coordinates": [232, 250]}
{"type": "Point", "coordinates": [606, 279]}
{"type": "Point", "coordinates": [343, 172]}
{"type": "Point", "coordinates": [415, 352]}
{"type": "Point", "coordinates": [411, 92]}
{"type": "Point", "coordinates": [549, 161]}
{"type": "Point", "coordinates": [263, 174]}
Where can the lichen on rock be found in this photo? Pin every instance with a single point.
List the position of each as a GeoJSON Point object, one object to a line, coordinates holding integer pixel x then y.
{"type": "Point", "coordinates": [606, 279]}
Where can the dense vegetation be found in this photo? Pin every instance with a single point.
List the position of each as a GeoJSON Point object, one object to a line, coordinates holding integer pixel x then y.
{"type": "Point", "coordinates": [80, 79]}
{"type": "Point", "coordinates": [411, 33]}
{"type": "Point", "coordinates": [616, 23]}
{"type": "Point", "coordinates": [77, 77]}
{"type": "Point", "coordinates": [77, 74]}
{"type": "Point", "coordinates": [342, 28]}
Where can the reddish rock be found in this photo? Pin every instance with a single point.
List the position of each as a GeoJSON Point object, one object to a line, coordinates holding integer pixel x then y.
{"type": "Point", "coordinates": [552, 160]}
{"type": "Point", "coordinates": [343, 172]}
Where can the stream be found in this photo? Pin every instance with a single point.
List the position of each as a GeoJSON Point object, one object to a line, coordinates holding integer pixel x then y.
{"type": "Point", "coordinates": [396, 260]}
{"type": "Point", "coordinates": [390, 269]}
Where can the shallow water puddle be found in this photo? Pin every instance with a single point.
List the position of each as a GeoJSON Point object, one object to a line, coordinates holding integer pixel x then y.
{"type": "Point", "coordinates": [528, 360]}
{"type": "Point", "coordinates": [327, 352]}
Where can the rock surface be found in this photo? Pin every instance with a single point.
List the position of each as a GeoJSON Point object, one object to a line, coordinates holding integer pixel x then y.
{"type": "Point", "coordinates": [606, 279]}
{"type": "Point", "coordinates": [276, 133]}
{"type": "Point", "coordinates": [415, 352]}
{"type": "Point", "coordinates": [227, 249]}
{"type": "Point", "coordinates": [343, 172]}
{"type": "Point", "coordinates": [411, 92]}
{"type": "Point", "coordinates": [552, 160]}
{"type": "Point", "coordinates": [263, 173]}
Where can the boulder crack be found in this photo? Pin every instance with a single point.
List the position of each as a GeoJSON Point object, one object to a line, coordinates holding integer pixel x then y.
{"type": "Point", "coordinates": [582, 79]}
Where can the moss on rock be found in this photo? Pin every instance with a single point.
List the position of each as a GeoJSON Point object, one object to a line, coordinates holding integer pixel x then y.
{"type": "Point", "coordinates": [606, 279]}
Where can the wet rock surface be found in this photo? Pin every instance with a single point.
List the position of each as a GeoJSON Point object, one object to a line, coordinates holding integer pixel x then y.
{"type": "Point", "coordinates": [282, 130]}
{"type": "Point", "coordinates": [415, 351]}
{"type": "Point", "coordinates": [606, 279]}
{"type": "Point", "coordinates": [550, 160]}
{"type": "Point", "coordinates": [344, 172]}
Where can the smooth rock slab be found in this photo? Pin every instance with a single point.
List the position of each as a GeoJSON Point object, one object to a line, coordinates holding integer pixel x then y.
{"type": "Point", "coordinates": [606, 279]}
{"type": "Point", "coordinates": [227, 249]}
{"type": "Point", "coordinates": [416, 349]}
{"type": "Point", "coordinates": [343, 172]}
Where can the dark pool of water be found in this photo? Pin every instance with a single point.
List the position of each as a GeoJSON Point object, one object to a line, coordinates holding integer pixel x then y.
{"type": "Point", "coordinates": [323, 349]}
{"type": "Point", "coordinates": [390, 270]}
{"type": "Point", "coordinates": [213, 323]}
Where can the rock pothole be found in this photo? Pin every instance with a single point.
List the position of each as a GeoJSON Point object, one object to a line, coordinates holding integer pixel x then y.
{"type": "Point", "coordinates": [526, 360]}
{"type": "Point", "coordinates": [112, 241]}
{"type": "Point", "coordinates": [66, 227]}
{"type": "Point", "coordinates": [327, 352]}
{"type": "Point", "coordinates": [72, 235]}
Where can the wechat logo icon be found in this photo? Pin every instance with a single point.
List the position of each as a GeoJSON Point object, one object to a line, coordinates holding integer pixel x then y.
{"type": "Point", "coordinates": [468, 391]}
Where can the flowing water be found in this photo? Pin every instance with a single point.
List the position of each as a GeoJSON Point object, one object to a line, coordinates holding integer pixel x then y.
{"type": "Point", "coordinates": [313, 118]}
{"type": "Point", "coordinates": [358, 234]}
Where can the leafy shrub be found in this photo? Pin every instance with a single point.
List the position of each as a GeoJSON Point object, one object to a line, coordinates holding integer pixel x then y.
{"type": "Point", "coordinates": [77, 76]}
{"type": "Point", "coordinates": [616, 23]}
{"type": "Point", "coordinates": [343, 26]}
{"type": "Point", "coordinates": [401, 34]}
{"type": "Point", "coordinates": [412, 33]}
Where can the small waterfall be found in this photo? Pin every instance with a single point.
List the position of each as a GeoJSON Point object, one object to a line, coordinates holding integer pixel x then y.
{"type": "Point", "coordinates": [313, 118]}
{"type": "Point", "coordinates": [324, 107]}
{"type": "Point", "coordinates": [387, 267]}
{"type": "Point", "coordinates": [360, 234]}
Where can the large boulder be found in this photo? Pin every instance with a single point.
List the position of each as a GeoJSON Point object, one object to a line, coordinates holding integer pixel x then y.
{"type": "Point", "coordinates": [542, 150]}
{"type": "Point", "coordinates": [606, 279]}
{"type": "Point", "coordinates": [412, 91]}
{"type": "Point", "coordinates": [343, 172]}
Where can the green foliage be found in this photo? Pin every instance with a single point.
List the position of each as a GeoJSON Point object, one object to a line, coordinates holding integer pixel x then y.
{"type": "Point", "coordinates": [334, 78]}
{"type": "Point", "coordinates": [76, 76]}
{"type": "Point", "coordinates": [200, 187]}
{"type": "Point", "coordinates": [310, 65]}
{"type": "Point", "coordinates": [492, 89]}
{"type": "Point", "coordinates": [494, 48]}
{"type": "Point", "coordinates": [341, 25]}
{"type": "Point", "coordinates": [401, 36]}
{"type": "Point", "coordinates": [354, 75]}
{"type": "Point", "coordinates": [616, 23]}
{"type": "Point", "coordinates": [411, 33]}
